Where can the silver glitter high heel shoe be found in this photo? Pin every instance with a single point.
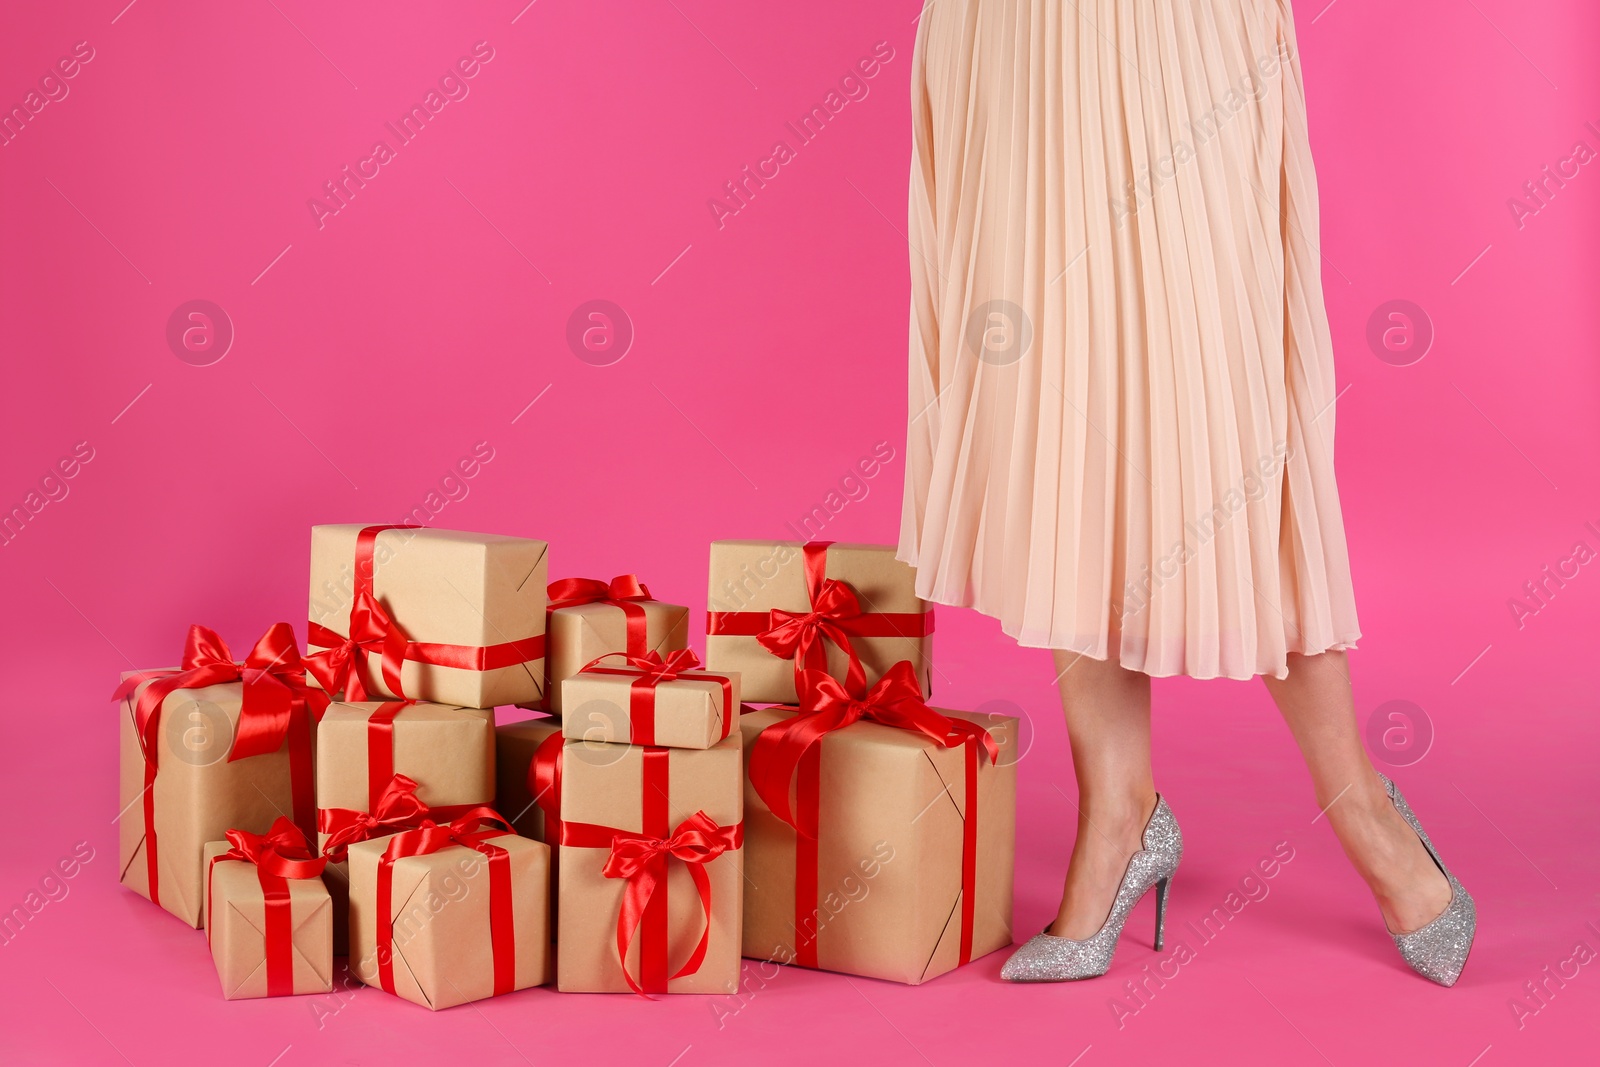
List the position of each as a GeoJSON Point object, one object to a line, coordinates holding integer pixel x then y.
{"type": "Point", "coordinates": [1047, 958]}
{"type": "Point", "coordinates": [1439, 950]}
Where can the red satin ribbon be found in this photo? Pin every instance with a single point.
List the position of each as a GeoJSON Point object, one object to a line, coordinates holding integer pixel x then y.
{"type": "Point", "coordinates": [344, 664]}
{"type": "Point", "coordinates": [835, 616]}
{"type": "Point", "coordinates": [544, 785]}
{"type": "Point", "coordinates": [429, 838]}
{"type": "Point", "coordinates": [791, 750]}
{"type": "Point", "coordinates": [278, 855]}
{"type": "Point", "coordinates": [277, 705]}
{"type": "Point", "coordinates": [397, 808]}
{"type": "Point", "coordinates": [651, 669]}
{"type": "Point", "coordinates": [640, 859]}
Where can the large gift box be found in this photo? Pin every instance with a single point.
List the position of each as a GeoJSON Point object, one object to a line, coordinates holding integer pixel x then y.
{"type": "Point", "coordinates": [589, 618]}
{"type": "Point", "coordinates": [880, 833]}
{"type": "Point", "coordinates": [405, 611]}
{"type": "Point", "coordinates": [778, 606]}
{"type": "Point", "coordinates": [528, 777]}
{"type": "Point", "coordinates": [206, 748]}
{"type": "Point", "coordinates": [651, 700]}
{"type": "Point", "coordinates": [651, 873]}
{"type": "Point", "coordinates": [447, 914]}
{"type": "Point", "coordinates": [268, 917]}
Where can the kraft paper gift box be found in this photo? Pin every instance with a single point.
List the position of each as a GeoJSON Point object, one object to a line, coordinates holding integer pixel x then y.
{"type": "Point", "coordinates": [433, 942]}
{"type": "Point", "coordinates": [619, 803]}
{"type": "Point", "coordinates": [464, 614]}
{"type": "Point", "coordinates": [448, 751]}
{"type": "Point", "coordinates": [589, 618]}
{"type": "Point", "coordinates": [196, 784]}
{"type": "Point", "coordinates": [651, 701]}
{"type": "Point", "coordinates": [888, 862]}
{"type": "Point", "coordinates": [516, 745]}
{"type": "Point", "coordinates": [801, 598]}
{"type": "Point", "coordinates": [260, 951]}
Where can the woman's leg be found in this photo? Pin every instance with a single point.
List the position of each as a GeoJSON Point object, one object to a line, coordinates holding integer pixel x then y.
{"type": "Point", "coordinates": [1108, 724]}
{"type": "Point", "coordinates": [1315, 701]}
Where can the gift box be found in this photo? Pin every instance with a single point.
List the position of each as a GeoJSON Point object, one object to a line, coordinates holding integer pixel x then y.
{"type": "Point", "coordinates": [208, 747]}
{"type": "Point", "coordinates": [397, 807]}
{"type": "Point", "coordinates": [651, 873]}
{"type": "Point", "coordinates": [447, 914]}
{"type": "Point", "coordinates": [438, 615]}
{"type": "Point", "coordinates": [778, 606]}
{"type": "Point", "coordinates": [650, 700]}
{"type": "Point", "coordinates": [880, 833]}
{"type": "Point", "coordinates": [589, 618]}
{"type": "Point", "coordinates": [446, 749]}
{"type": "Point", "coordinates": [268, 917]}
{"type": "Point", "coordinates": [523, 752]}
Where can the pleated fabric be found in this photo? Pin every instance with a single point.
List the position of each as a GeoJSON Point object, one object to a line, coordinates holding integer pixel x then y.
{"type": "Point", "coordinates": [1121, 380]}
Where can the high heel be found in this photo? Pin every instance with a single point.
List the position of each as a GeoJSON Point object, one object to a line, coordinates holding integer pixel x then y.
{"type": "Point", "coordinates": [1047, 958]}
{"type": "Point", "coordinates": [1438, 951]}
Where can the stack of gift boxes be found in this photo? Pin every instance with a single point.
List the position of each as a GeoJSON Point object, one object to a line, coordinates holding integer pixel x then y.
{"type": "Point", "coordinates": [795, 799]}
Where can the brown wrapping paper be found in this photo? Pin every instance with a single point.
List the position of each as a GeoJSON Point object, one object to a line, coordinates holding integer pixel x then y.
{"type": "Point", "coordinates": [443, 953]}
{"type": "Point", "coordinates": [447, 750]}
{"type": "Point", "coordinates": [602, 784]}
{"type": "Point", "coordinates": [582, 633]}
{"type": "Point", "coordinates": [199, 795]}
{"type": "Point", "coordinates": [441, 587]}
{"type": "Point", "coordinates": [691, 711]}
{"type": "Point", "coordinates": [515, 744]}
{"type": "Point", "coordinates": [889, 852]}
{"type": "Point", "coordinates": [761, 575]}
{"type": "Point", "coordinates": [237, 935]}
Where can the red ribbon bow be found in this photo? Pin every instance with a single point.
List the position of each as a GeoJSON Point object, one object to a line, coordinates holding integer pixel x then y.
{"type": "Point", "coordinates": [373, 631]}
{"type": "Point", "coordinates": [792, 748]}
{"type": "Point", "coordinates": [650, 665]}
{"type": "Point", "coordinates": [398, 808]}
{"type": "Point", "coordinates": [800, 635]}
{"type": "Point", "coordinates": [278, 855]}
{"type": "Point", "coordinates": [825, 706]}
{"type": "Point", "coordinates": [277, 704]}
{"type": "Point", "coordinates": [570, 592]}
{"type": "Point", "coordinates": [641, 861]}
{"type": "Point", "coordinates": [430, 837]}
{"type": "Point", "coordinates": [274, 684]}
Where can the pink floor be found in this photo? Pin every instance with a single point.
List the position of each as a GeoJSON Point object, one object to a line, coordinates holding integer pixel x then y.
{"type": "Point", "coordinates": [1302, 974]}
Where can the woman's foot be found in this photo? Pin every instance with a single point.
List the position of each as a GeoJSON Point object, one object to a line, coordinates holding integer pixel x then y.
{"type": "Point", "coordinates": [1410, 889]}
{"type": "Point", "coordinates": [1109, 833]}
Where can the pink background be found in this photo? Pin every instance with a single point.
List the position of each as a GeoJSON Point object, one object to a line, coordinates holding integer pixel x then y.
{"type": "Point", "coordinates": [374, 352]}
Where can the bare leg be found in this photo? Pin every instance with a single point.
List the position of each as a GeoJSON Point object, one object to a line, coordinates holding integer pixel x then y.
{"type": "Point", "coordinates": [1315, 701]}
{"type": "Point", "coordinates": [1108, 723]}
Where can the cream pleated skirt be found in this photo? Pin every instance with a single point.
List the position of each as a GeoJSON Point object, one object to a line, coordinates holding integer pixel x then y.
{"type": "Point", "coordinates": [1122, 390]}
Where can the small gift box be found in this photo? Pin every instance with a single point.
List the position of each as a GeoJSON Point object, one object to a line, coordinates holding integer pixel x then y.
{"type": "Point", "coordinates": [210, 747]}
{"type": "Point", "coordinates": [407, 611]}
{"type": "Point", "coordinates": [447, 914]}
{"type": "Point", "coordinates": [651, 874]}
{"type": "Point", "coordinates": [880, 832]}
{"type": "Point", "coordinates": [447, 750]}
{"type": "Point", "coordinates": [528, 778]}
{"type": "Point", "coordinates": [268, 917]}
{"type": "Point", "coordinates": [650, 700]}
{"type": "Point", "coordinates": [589, 618]}
{"type": "Point", "coordinates": [779, 606]}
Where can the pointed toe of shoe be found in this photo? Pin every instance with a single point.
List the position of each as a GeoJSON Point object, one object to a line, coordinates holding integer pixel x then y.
{"type": "Point", "coordinates": [1439, 950]}
{"type": "Point", "coordinates": [1027, 963]}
